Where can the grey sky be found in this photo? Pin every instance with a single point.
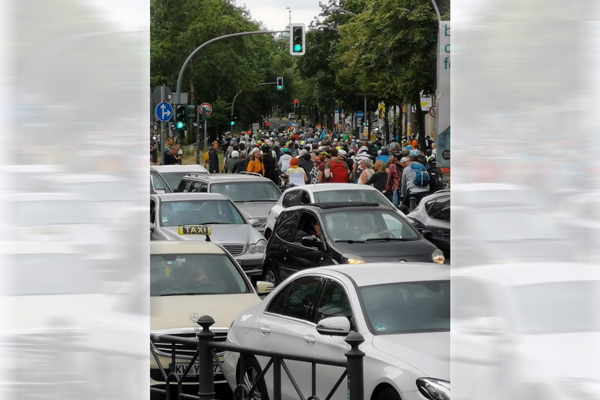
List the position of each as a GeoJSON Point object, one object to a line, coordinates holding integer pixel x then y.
{"type": "Point", "coordinates": [275, 15]}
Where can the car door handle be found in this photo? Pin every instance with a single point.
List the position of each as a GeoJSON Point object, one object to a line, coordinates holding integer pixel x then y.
{"type": "Point", "coordinates": [309, 339]}
{"type": "Point", "coordinates": [265, 330]}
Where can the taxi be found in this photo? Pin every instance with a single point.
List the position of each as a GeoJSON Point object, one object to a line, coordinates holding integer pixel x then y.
{"type": "Point", "coordinates": [184, 216]}
{"type": "Point", "coordinates": [190, 279]}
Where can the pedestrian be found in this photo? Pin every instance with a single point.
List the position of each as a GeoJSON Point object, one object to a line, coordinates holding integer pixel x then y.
{"type": "Point", "coordinates": [295, 174]}
{"type": "Point", "coordinates": [241, 164]}
{"type": "Point", "coordinates": [367, 171]}
{"type": "Point", "coordinates": [394, 177]}
{"type": "Point", "coordinates": [415, 181]}
{"type": "Point", "coordinates": [314, 172]}
{"type": "Point", "coordinates": [384, 156]}
{"type": "Point", "coordinates": [338, 168]}
{"type": "Point", "coordinates": [324, 157]}
{"type": "Point", "coordinates": [230, 166]}
{"type": "Point", "coordinates": [270, 164]}
{"type": "Point", "coordinates": [305, 162]}
{"type": "Point", "coordinates": [167, 149]}
{"type": "Point", "coordinates": [256, 163]}
{"type": "Point", "coordinates": [380, 177]}
{"type": "Point", "coordinates": [170, 157]}
{"type": "Point", "coordinates": [284, 160]}
{"type": "Point", "coordinates": [213, 158]}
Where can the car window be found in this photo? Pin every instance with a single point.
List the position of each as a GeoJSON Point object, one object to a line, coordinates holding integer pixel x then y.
{"type": "Point", "coordinates": [194, 274]}
{"type": "Point", "coordinates": [362, 225]}
{"type": "Point", "coordinates": [291, 198]}
{"type": "Point", "coordinates": [173, 178]}
{"type": "Point", "coordinates": [248, 191]}
{"type": "Point", "coordinates": [152, 211]}
{"type": "Point", "coordinates": [308, 225]}
{"type": "Point", "coordinates": [334, 302]}
{"type": "Point", "coordinates": [407, 307]}
{"type": "Point", "coordinates": [199, 212]}
{"type": "Point", "coordinates": [439, 209]}
{"type": "Point", "coordinates": [305, 198]}
{"type": "Point", "coordinates": [286, 225]}
{"type": "Point", "coordinates": [351, 196]}
{"type": "Point", "coordinates": [297, 299]}
{"type": "Point", "coordinates": [184, 186]}
{"type": "Point", "coordinates": [158, 183]}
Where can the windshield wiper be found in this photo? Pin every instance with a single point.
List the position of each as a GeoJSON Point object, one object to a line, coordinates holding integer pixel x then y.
{"type": "Point", "coordinates": [349, 241]}
{"type": "Point", "coordinates": [254, 201]}
{"type": "Point", "coordinates": [388, 239]}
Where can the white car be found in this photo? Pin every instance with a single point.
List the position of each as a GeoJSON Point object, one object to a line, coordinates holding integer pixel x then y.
{"type": "Point", "coordinates": [173, 174]}
{"type": "Point", "coordinates": [324, 193]}
{"type": "Point", "coordinates": [402, 311]}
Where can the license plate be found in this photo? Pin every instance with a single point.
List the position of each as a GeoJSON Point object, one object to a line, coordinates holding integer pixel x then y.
{"type": "Point", "coordinates": [180, 369]}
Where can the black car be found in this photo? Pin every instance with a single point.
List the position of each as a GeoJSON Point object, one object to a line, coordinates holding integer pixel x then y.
{"type": "Point", "coordinates": [320, 234]}
{"type": "Point", "coordinates": [433, 214]}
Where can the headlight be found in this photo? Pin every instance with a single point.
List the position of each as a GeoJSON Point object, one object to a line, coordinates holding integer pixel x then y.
{"type": "Point", "coordinates": [258, 247]}
{"type": "Point", "coordinates": [354, 259]}
{"type": "Point", "coordinates": [434, 389]}
{"type": "Point", "coordinates": [438, 256]}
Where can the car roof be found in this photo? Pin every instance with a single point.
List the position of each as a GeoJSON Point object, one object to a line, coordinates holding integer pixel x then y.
{"type": "Point", "coordinates": [327, 187]}
{"type": "Point", "coordinates": [190, 196]}
{"type": "Point", "coordinates": [230, 178]}
{"type": "Point", "coordinates": [381, 273]}
{"type": "Point", "coordinates": [184, 247]}
{"type": "Point", "coordinates": [531, 273]}
{"type": "Point", "coordinates": [335, 207]}
{"type": "Point", "coordinates": [179, 168]}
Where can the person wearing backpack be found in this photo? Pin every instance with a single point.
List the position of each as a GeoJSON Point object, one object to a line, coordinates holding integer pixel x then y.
{"type": "Point", "coordinates": [395, 177]}
{"type": "Point", "coordinates": [339, 169]}
{"type": "Point", "coordinates": [415, 181]}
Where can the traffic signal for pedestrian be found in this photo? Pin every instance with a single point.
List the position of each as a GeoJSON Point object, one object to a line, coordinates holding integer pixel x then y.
{"type": "Point", "coordinates": [266, 124]}
{"type": "Point", "coordinates": [297, 39]}
{"type": "Point", "coordinates": [180, 116]}
{"type": "Point", "coordinates": [280, 83]}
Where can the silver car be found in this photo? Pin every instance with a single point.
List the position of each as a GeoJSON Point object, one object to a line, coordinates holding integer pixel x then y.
{"type": "Point", "coordinates": [188, 216]}
{"type": "Point", "coordinates": [252, 193]}
{"type": "Point", "coordinates": [173, 174]}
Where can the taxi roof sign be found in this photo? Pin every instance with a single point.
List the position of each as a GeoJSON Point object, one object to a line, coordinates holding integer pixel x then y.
{"type": "Point", "coordinates": [194, 230]}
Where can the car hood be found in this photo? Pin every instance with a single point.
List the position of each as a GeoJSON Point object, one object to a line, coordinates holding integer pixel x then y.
{"type": "Point", "coordinates": [380, 251]}
{"type": "Point", "coordinates": [219, 234]}
{"type": "Point", "coordinates": [256, 209]}
{"type": "Point", "coordinates": [171, 312]}
{"type": "Point", "coordinates": [427, 352]}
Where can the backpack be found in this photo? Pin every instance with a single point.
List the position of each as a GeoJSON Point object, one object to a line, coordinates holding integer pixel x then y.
{"type": "Point", "coordinates": [339, 172]}
{"type": "Point", "coordinates": [421, 175]}
{"type": "Point", "coordinates": [435, 181]}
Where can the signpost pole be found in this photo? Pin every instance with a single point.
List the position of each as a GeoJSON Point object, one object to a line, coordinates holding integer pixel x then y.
{"type": "Point", "coordinates": [162, 129]}
{"type": "Point", "coordinates": [198, 137]}
{"type": "Point", "coordinates": [205, 138]}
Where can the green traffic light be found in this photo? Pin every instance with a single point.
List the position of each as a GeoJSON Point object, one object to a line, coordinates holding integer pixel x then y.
{"type": "Point", "coordinates": [180, 125]}
{"type": "Point", "coordinates": [279, 87]}
{"type": "Point", "coordinates": [298, 48]}
{"type": "Point", "coordinates": [232, 123]}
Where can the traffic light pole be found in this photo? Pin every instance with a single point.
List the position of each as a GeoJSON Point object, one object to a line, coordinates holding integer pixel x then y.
{"type": "Point", "coordinates": [236, 95]}
{"type": "Point", "coordinates": [182, 71]}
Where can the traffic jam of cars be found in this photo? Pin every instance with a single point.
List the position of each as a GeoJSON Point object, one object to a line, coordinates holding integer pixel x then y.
{"type": "Point", "coordinates": [272, 269]}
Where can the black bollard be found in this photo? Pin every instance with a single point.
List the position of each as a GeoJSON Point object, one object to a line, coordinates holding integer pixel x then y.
{"type": "Point", "coordinates": [206, 378]}
{"type": "Point", "coordinates": [355, 366]}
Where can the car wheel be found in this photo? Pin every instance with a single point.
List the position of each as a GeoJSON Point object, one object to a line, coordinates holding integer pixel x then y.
{"type": "Point", "coordinates": [270, 275]}
{"type": "Point", "coordinates": [252, 371]}
{"type": "Point", "coordinates": [388, 394]}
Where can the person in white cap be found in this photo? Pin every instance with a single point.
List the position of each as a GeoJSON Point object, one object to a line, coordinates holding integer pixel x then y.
{"type": "Point", "coordinates": [235, 157]}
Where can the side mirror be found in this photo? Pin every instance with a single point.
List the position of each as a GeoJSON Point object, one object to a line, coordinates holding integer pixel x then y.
{"type": "Point", "coordinates": [152, 226]}
{"type": "Point", "coordinates": [263, 287]}
{"type": "Point", "coordinates": [334, 326]}
{"type": "Point", "coordinates": [311, 241]}
{"type": "Point", "coordinates": [254, 222]}
{"type": "Point", "coordinates": [427, 234]}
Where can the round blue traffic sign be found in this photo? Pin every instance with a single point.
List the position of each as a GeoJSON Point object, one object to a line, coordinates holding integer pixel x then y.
{"type": "Point", "coordinates": [359, 114]}
{"type": "Point", "coordinates": [164, 112]}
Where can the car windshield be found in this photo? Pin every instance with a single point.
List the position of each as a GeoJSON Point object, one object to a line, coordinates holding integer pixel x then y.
{"type": "Point", "coordinates": [247, 191]}
{"type": "Point", "coordinates": [407, 307]}
{"type": "Point", "coordinates": [53, 212]}
{"type": "Point", "coordinates": [48, 274]}
{"type": "Point", "coordinates": [194, 274]}
{"type": "Point", "coordinates": [199, 212]}
{"type": "Point", "coordinates": [351, 196]}
{"type": "Point", "coordinates": [363, 225]}
{"type": "Point", "coordinates": [558, 307]}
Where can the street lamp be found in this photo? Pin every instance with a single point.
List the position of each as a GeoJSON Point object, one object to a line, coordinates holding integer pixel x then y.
{"type": "Point", "coordinates": [323, 26]}
{"type": "Point", "coordinates": [339, 9]}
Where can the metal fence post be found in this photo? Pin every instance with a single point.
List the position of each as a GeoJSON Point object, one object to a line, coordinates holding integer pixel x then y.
{"type": "Point", "coordinates": [355, 366]}
{"type": "Point", "coordinates": [206, 378]}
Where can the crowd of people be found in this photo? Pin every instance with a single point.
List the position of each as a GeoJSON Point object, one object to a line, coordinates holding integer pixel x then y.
{"type": "Point", "coordinates": [399, 170]}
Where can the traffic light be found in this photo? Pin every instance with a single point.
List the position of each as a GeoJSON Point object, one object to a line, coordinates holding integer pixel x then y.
{"type": "Point", "coordinates": [280, 83]}
{"type": "Point", "coordinates": [296, 102]}
{"type": "Point", "coordinates": [191, 111]}
{"type": "Point", "coordinates": [267, 124]}
{"type": "Point", "coordinates": [297, 39]}
{"type": "Point", "coordinates": [362, 121]}
{"type": "Point", "coordinates": [232, 120]}
{"type": "Point", "coordinates": [180, 116]}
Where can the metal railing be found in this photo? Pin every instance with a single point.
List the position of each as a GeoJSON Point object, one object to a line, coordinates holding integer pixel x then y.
{"type": "Point", "coordinates": [206, 357]}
